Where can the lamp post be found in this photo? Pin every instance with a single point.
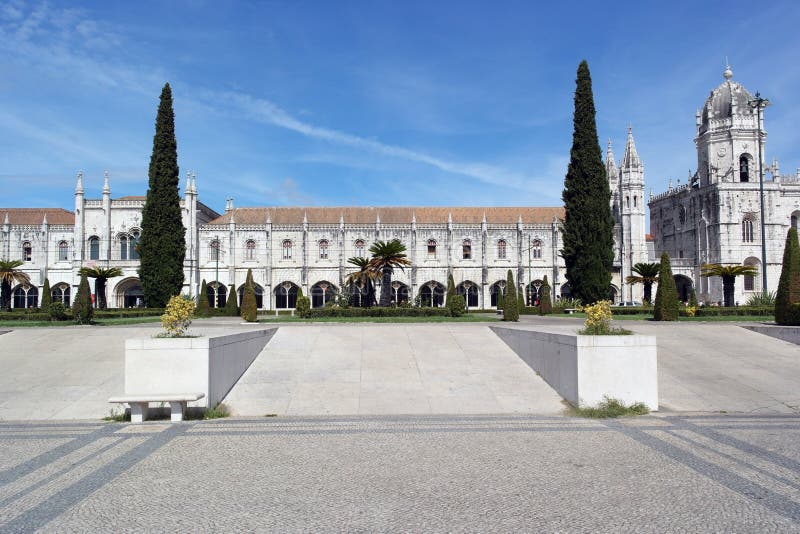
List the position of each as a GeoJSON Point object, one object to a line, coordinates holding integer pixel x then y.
{"type": "Point", "coordinates": [216, 272]}
{"type": "Point", "coordinates": [759, 103]}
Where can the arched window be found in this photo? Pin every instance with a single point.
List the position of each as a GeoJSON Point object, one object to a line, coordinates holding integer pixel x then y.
{"type": "Point", "coordinates": [466, 249]}
{"type": "Point", "coordinates": [63, 251]}
{"type": "Point", "coordinates": [27, 251]}
{"type": "Point", "coordinates": [250, 250]}
{"type": "Point", "coordinates": [60, 293]}
{"type": "Point", "coordinates": [287, 249]}
{"type": "Point", "coordinates": [634, 201]}
{"type": "Point", "coordinates": [501, 249]}
{"type": "Point", "coordinates": [747, 229]}
{"type": "Point", "coordinates": [94, 248]}
{"type": "Point", "coordinates": [213, 250]}
{"type": "Point", "coordinates": [26, 297]}
{"type": "Point", "coordinates": [216, 294]}
{"type": "Point", "coordinates": [129, 245]}
{"type": "Point", "coordinates": [536, 249]}
{"type": "Point", "coordinates": [360, 246]}
{"type": "Point", "coordinates": [793, 219]}
{"type": "Point", "coordinates": [123, 247]}
{"type": "Point", "coordinates": [323, 249]}
{"type": "Point", "coordinates": [431, 248]}
{"type": "Point", "coordinates": [744, 168]}
{"type": "Point", "coordinates": [322, 293]}
{"type": "Point", "coordinates": [627, 202]}
{"type": "Point", "coordinates": [750, 281]}
{"type": "Point", "coordinates": [468, 290]}
{"type": "Point", "coordinates": [286, 296]}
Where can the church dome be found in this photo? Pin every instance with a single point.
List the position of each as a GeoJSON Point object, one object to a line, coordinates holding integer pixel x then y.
{"type": "Point", "coordinates": [730, 98]}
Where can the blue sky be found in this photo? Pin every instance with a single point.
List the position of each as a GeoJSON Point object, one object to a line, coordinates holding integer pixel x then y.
{"type": "Point", "coordinates": [372, 102]}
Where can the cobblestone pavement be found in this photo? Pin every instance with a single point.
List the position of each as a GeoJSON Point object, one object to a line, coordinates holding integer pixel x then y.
{"type": "Point", "coordinates": [724, 473]}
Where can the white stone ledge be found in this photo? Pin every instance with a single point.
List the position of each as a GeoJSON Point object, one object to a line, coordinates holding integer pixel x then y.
{"type": "Point", "coordinates": [585, 369]}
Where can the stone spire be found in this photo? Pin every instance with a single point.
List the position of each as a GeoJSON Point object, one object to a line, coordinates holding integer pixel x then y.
{"type": "Point", "coordinates": [106, 187]}
{"type": "Point", "coordinates": [79, 184]}
{"type": "Point", "coordinates": [631, 157]}
{"type": "Point", "coordinates": [611, 166]}
{"type": "Point", "coordinates": [188, 182]}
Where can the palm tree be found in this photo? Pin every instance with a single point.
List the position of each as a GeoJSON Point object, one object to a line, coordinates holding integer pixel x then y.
{"type": "Point", "coordinates": [100, 275]}
{"type": "Point", "coordinates": [10, 275]}
{"type": "Point", "coordinates": [647, 275]}
{"type": "Point", "coordinates": [363, 279]}
{"type": "Point", "coordinates": [728, 273]}
{"type": "Point", "coordinates": [386, 256]}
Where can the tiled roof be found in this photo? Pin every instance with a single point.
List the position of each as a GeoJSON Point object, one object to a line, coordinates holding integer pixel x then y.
{"type": "Point", "coordinates": [36, 215]}
{"type": "Point", "coordinates": [649, 237]}
{"type": "Point", "coordinates": [132, 197]}
{"type": "Point", "coordinates": [390, 215]}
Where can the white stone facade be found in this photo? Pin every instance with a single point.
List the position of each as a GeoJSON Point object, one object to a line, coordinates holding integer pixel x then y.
{"type": "Point", "coordinates": [715, 217]}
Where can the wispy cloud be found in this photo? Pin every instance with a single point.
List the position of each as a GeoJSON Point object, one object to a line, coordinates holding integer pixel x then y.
{"type": "Point", "coordinates": [269, 113]}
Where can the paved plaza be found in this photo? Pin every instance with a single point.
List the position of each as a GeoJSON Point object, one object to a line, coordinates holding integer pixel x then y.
{"type": "Point", "coordinates": [370, 368]}
{"type": "Point", "coordinates": [723, 473]}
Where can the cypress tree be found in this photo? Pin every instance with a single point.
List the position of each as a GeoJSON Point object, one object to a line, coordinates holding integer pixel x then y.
{"type": "Point", "coordinates": [451, 287]}
{"type": "Point", "coordinates": [545, 302]}
{"type": "Point", "coordinates": [511, 300]}
{"type": "Point", "coordinates": [202, 301]}
{"type": "Point", "coordinates": [666, 306]}
{"type": "Point", "coordinates": [47, 298]}
{"type": "Point", "coordinates": [162, 245]}
{"type": "Point", "coordinates": [249, 310]}
{"type": "Point", "coordinates": [82, 310]}
{"type": "Point", "coordinates": [231, 306]}
{"type": "Point", "coordinates": [588, 227]}
{"type": "Point", "coordinates": [500, 297]}
{"type": "Point", "coordinates": [787, 298]}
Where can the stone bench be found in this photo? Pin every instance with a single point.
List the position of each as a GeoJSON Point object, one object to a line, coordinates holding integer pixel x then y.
{"type": "Point", "coordinates": [570, 310]}
{"type": "Point", "coordinates": [139, 404]}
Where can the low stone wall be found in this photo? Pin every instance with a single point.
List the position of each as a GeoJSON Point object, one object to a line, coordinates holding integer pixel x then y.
{"type": "Point", "coordinates": [211, 365]}
{"type": "Point", "coordinates": [786, 333]}
{"type": "Point", "coordinates": [585, 369]}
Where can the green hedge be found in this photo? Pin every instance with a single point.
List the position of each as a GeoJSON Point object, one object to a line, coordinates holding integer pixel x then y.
{"type": "Point", "coordinates": [37, 314]}
{"type": "Point", "coordinates": [317, 313]}
{"type": "Point", "coordinates": [717, 311]}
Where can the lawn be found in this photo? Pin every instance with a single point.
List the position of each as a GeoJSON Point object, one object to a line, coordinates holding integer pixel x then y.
{"type": "Point", "coordinates": [647, 317]}
{"type": "Point", "coordinates": [111, 321]}
{"type": "Point", "coordinates": [469, 318]}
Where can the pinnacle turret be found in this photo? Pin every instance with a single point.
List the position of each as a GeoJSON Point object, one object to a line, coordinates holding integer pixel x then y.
{"type": "Point", "coordinates": [611, 166]}
{"type": "Point", "coordinates": [631, 156]}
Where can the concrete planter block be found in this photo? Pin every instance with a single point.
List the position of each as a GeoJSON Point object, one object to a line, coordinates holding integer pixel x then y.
{"type": "Point", "coordinates": [585, 369]}
{"type": "Point", "coordinates": [211, 365]}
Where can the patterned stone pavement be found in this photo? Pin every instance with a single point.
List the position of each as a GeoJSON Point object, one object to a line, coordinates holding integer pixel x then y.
{"type": "Point", "coordinates": [711, 472]}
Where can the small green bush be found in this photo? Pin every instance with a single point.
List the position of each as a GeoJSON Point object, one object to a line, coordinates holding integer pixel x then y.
{"type": "Point", "coordinates": [249, 310]}
{"type": "Point", "coordinates": [231, 306]}
{"type": "Point", "coordinates": [787, 299]}
{"type": "Point", "coordinates": [57, 311]}
{"type": "Point", "coordinates": [511, 302]}
{"type": "Point", "coordinates": [202, 300]}
{"type": "Point", "coordinates": [47, 297]}
{"type": "Point", "coordinates": [217, 412]}
{"type": "Point", "coordinates": [456, 305]}
{"type": "Point", "coordinates": [611, 408]}
{"type": "Point", "coordinates": [303, 306]}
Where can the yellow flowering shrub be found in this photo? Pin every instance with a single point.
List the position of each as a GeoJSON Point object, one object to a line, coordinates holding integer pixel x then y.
{"type": "Point", "coordinates": [691, 310]}
{"type": "Point", "coordinates": [598, 317]}
{"type": "Point", "coordinates": [177, 316]}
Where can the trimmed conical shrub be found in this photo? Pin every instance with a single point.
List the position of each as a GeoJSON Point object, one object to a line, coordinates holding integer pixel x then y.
{"type": "Point", "coordinates": [787, 298]}
{"type": "Point", "coordinates": [231, 307]}
{"type": "Point", "coordinates": [202, 301]}
{"type": "Point", "coordinates": [249, 309]}
{"type": "Point", "coordinates": [666, 306]}
{"type": "Point", "coordinates": [545, 302]}
{"type": "Point", "coordinates": [511, 300]}
{"type": "Point", "coordinates": [693, 299]}
{"type": "Point", "coordinates": [47, 297]}
{"type": "Point", "coordinates": [82, 310]}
